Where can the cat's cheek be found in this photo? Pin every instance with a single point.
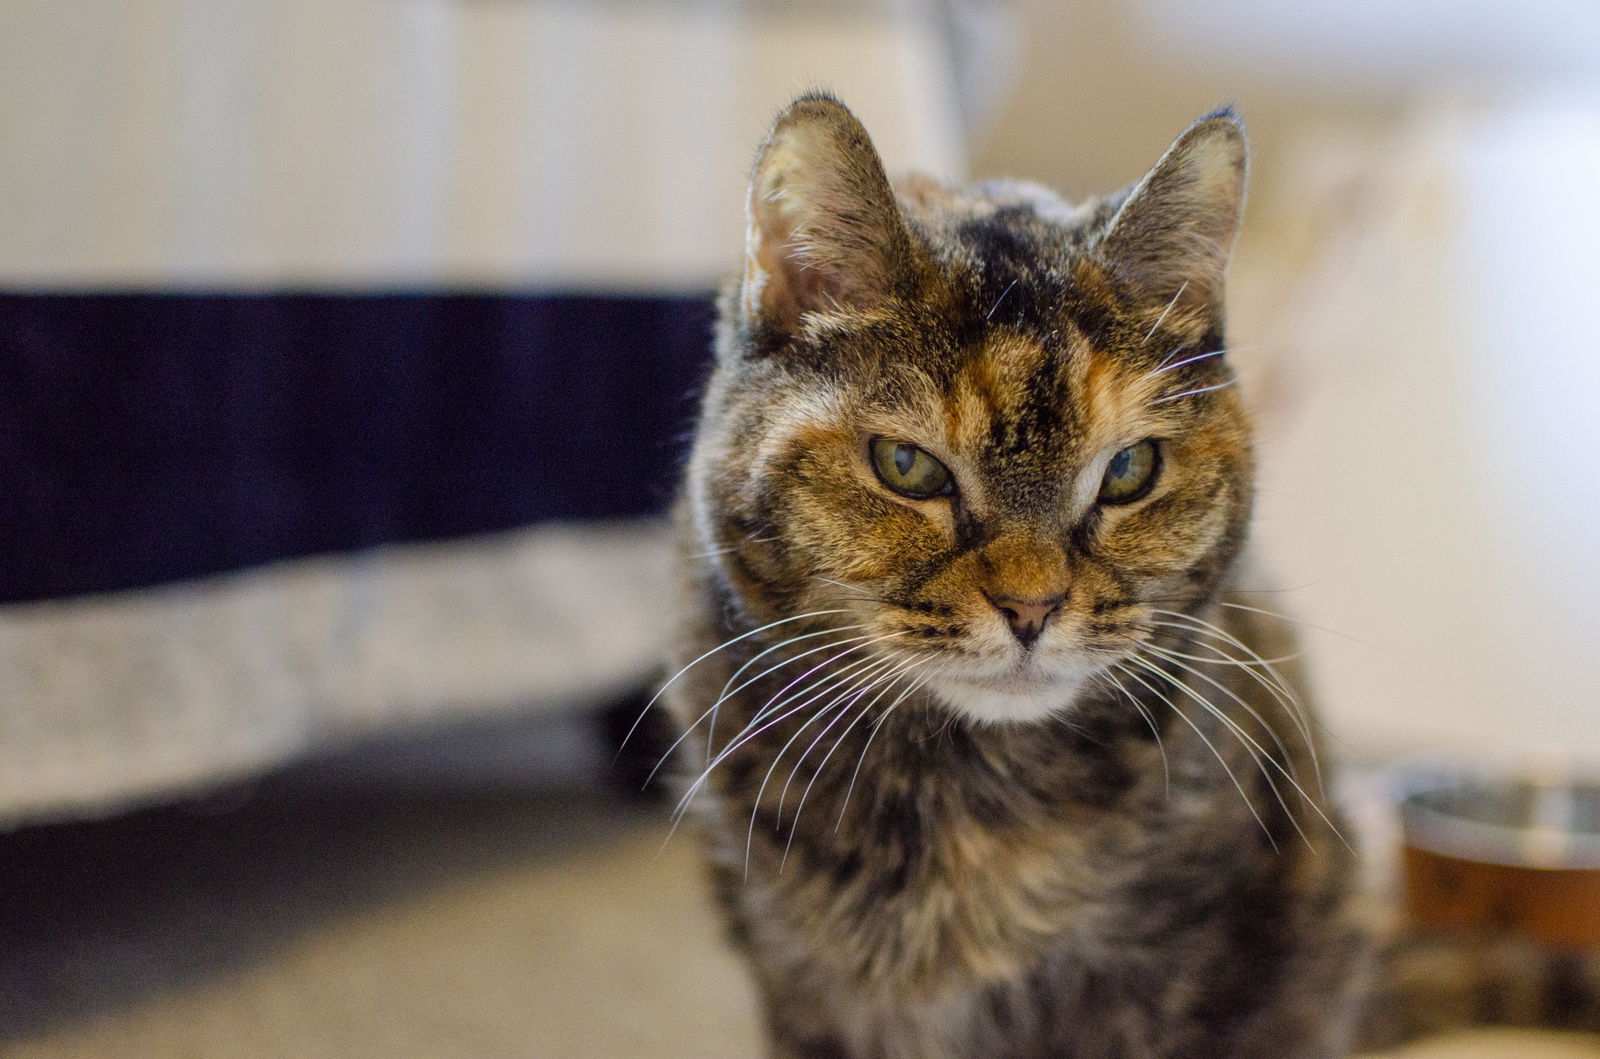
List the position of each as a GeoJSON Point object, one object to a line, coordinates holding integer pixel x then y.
{"type": "Point", "coordinates": [859, 536]}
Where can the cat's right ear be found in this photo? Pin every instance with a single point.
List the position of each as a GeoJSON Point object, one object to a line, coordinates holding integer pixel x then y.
{"type": "Point", "coordinates": [824, 232]}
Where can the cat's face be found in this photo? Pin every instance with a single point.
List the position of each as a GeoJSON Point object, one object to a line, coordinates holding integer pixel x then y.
{"type": "Point", "coordinates": [990, 436]}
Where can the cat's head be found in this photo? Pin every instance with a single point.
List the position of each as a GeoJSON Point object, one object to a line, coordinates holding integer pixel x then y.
{"type": "Point", "coordinates": [993, 432]}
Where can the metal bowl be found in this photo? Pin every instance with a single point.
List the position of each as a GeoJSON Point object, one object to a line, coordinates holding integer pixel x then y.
{"type": "Point", "coordinates": [1496, 853]}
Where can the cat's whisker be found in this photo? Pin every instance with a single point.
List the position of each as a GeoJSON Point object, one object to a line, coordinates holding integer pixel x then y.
{"type": "Point", "coordinates": [774, 712]}
{"type": "Point", "coordinates": [1258, 754]}
{"type": "Point", "coordinates": [1201, 627]}
{"type": "Point", "coordinates": [1158, 693]}
{"type": "Point", "coordinates": [773, 704]}
{"type": "Point", "coordinates": [1277, 686]}
{"type": "Point", "coordinates": [1157, 325]}
{"type": "Point", "coordinates": [885, 684]}
{"type": "Point", "coordinates": [865, 669]}
{"type": "Point", "coordinates": [855, 592]}
{"type": "Point", "coordinates": [1299, 621]}
{"type": "Point", "coordinates": [714, 552]}
{"type": "Point", "coordinates": [995, 307]}
{"type": "Point", "coordinates": [1269, 680]}
{"type": "Point", "coordinates": [1165, 367]}
{"type": "Point", "coordinates": [721, 646]}
{"type": "Point", "coordinates": [1222, 657]}
{"type": "Point", "coordinates": [755, 727]}
{"type": "Point", "coordinates": [1166, 768]}
{"type": "Point", "coordinates": [1193, 392]}
{"type": "Point", "coordinates": [711, 711]}
{"type": "Point", "coordinates": [889, 665]}
{"type": "Point", "coordinates": [725, 693]}
{"type": "Point", "coordinates": [1257, 749]}
{"type": "Point", "coordinates": [862, 683]}
{"type": "Point", "coordinates": [1260, 669]}
{"type": "Point", "coordinates": [877, 726]}
{"type": "Point", "coordinates": [1161, 652]}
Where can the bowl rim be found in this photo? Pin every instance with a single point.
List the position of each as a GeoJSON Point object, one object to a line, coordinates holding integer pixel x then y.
{"type": "Point", "coordinates": [1546, 847]}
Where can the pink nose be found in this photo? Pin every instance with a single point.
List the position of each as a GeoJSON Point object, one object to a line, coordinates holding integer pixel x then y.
{"type": "Point", "coordinates": [1026, 617]}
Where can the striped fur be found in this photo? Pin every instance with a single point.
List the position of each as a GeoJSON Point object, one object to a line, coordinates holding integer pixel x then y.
{"type": "Point", "coordinates": [932, 838]}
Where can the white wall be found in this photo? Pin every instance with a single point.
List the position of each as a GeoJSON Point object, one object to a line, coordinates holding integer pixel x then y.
{"type": "Point", "coordinates": [400, 142]}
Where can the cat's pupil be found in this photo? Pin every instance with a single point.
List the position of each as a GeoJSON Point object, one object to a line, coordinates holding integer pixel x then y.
{"type": "Point", "coordinates": [1120, 462]}
{"type": "Point", "coordinates": [905, 457]}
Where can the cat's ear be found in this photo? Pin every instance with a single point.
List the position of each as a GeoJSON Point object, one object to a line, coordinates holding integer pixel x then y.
{"type": "Point", "coordinates": [824, 230]}
{"type": "Point", "coordinates": [1172, 236]}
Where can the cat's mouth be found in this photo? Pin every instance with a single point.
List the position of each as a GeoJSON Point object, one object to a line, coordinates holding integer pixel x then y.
{"type": "Point", "coordinates": [1026, 693]}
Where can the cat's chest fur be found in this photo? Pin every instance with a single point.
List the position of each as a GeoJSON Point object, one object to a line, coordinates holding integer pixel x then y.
{"type": "Point", "coordinates": [948, 911]}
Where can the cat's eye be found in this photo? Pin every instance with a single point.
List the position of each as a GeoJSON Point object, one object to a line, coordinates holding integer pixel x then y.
{"type": "Point", "coordinates": [1131, 474]}
{"type": "Point", "coordinates": [909, 470]}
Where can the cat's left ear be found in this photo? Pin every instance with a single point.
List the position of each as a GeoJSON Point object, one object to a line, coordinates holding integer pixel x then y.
{"type": "Point", "coordinates": [1173, 235]}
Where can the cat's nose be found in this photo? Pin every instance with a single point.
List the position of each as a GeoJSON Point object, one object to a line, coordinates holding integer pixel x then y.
{"type": "Point", "coordinates": [1026, 617]}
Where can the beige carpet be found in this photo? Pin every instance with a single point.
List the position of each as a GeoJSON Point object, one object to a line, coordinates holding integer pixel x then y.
{"type": "Point", "coordinates": [386, 920]}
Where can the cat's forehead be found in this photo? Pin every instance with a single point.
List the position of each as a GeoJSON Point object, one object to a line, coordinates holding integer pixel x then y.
{"type": "Point", "coordinates": [1019, 392]}
{"type": "Point", "coordinates": [1011, 252]}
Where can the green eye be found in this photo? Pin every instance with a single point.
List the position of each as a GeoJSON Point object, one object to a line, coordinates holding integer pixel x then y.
{"type": "Point", "coordinates": [1131, 474]}
{"type": "Point", "coordinates": [909, 470]}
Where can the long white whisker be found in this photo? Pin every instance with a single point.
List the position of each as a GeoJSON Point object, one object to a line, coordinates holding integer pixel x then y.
{"type": "Point", "coordinates": [885, 684]}
{"type": "Point", "coordinates": [1202, 627]}
{"type": "Point", "coordinates": [1262, 672]}
{"type": "Point", "coordinates": [855, 676]}
{"type": "Point", "coordinates": [721, 646]}
{"type": "Point", "coordinates": [1252, 747]}
{"type": "Point", "coordinates": [1161, 652]}
{"type": "Point", "coordinates": [780, 645]}
{"type": "Point", "coordinates": [1196, 390]}
{"type": "Point", "coordinates": [1288, 699]}
{"type": "Point", "coordinates": [868, 665]}
{"type": "Point", "coordinates": [776, 702]}
{"type": "Point", "coordinates": [1185, 362]}
{"type": "Point", "coordinates": [1257, 668]}
{"type": "Point", "coordinates": [1240, 733]}
{"type": "Point", "coordinates": [1248, 804]}
{"type": "Point", "coordinates": [857, 593]}
{"type": "Point", "coordinates": [770, 714]}
{"type": "Point", "coordinates": [1157, 325]}
{"type": "Point", "coordinates": [1166, 769]}
{"type": "Point", "coordinates": [728, 690]}
{"type": "Point", "coordinates": [749, 732]}
{"type": "Point", "coordinates": [993, 308]}
{"type": "Point", "coordinates": [714, 552]}
{"type": "Point", "coordinates": [887, 671]}
{"type": "Point", "coordinates": [1222, 658]}
{"type": "Point", "coordinates": [876, 727]}
{"type": "Point", "coordinates": [711, 711]}
{"type": "Point", "coordinates": [725, 693]}
{"type": "Point", "coordinates": [1299, 621]}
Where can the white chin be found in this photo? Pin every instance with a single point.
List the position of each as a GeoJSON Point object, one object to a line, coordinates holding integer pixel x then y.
{"type": "Point", "coordinates": [995, 703]}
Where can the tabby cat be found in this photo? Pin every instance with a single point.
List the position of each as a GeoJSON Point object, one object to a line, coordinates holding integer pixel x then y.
{"type": "Point", "coordinates": [991, 758]}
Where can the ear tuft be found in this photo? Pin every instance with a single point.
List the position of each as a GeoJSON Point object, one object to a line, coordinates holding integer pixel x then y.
{"type": "Point", "coordinates": [1173, 235]}
{"type": "Point", "coordinates": [824, 231]}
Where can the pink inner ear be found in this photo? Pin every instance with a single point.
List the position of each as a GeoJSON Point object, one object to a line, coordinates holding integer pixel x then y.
{"type": "Point", "coordinates": [786, 283]}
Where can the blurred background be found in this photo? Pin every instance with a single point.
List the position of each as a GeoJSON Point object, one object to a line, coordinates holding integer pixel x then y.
{"type": "Point", "coordinates": [348, 348]}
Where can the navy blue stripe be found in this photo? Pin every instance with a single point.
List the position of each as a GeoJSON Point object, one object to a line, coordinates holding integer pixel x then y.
{"type": "Point", "coordinates": [147, 438]}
